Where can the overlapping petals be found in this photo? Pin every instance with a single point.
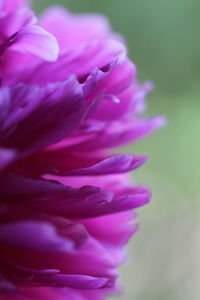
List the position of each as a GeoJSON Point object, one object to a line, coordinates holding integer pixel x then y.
{"type": "Point", "coordinates": [65, 198]}
{"type": "Point", "coordinates": [20, 36]}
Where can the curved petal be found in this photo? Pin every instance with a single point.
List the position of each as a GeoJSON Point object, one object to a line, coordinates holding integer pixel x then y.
{"type": "Point", "coordinates": [113, 165]}
{"type": "Point", "coordinates": [37, 236]}
{"type": "Point", "coordinates": [11, 23]}
{"type": "Point", "coordinates": [92, 259]}
{"type": "Point", "coordinates": [85, 27]}
{"type": "Point", "coordinates": [116, 133]}
{"type": "Point", "coordinates": [35, 40]}
{"type": "Point", "coordinates": [97, 53]}
{"type": "Point", "coordinates": [93, 205]}
{"type": "Point", "coordinates": [50, 277]}
{"type": "Point", "coordinates": [58, 107]}
{"type": "Point", "coordinates": [63, 163]}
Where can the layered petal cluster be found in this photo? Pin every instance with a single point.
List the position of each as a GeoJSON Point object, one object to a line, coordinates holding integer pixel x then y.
{"type": "Point", "coordinates": [68, 95]}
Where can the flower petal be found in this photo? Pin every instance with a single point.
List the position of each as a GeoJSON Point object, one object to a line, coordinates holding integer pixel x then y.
{"type": "Point", "coordinates": [97, 204]}
{"type": "Point", "coordinates": [11, 23]}
{"type": "Point", "coordinates": [10, 5]}
{"type": "Point", "coordinates": [116, 133]}
{"type": "Point", "coordinates": [35, 40]}
{"type": "Point", "coordinates": [37, 236]}
{"type": "Point", "coordinates": [50, 277]}
{"type": "Point", "coordinates": [63, 163]}
{"type": "Point", "coordinates": [58, 107]}
{"type": "Point", "coordinates": [85, 27]}
{"type": "Point", "coordinates": [84, 282]}
{"type": "Point", "coordinates": [115, 164]}
{"type": "Point", "coordinates": [60, 200]}
{"type": "Point", "coordinates": [6, 157]}
{"type": "Point", "coordinates": [98, 53]}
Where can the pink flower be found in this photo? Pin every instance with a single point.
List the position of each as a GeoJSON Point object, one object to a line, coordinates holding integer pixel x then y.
{"type": "Point", "coordinates": [66, 200]}
{"type": "Point", "coordinates": [19, 34]}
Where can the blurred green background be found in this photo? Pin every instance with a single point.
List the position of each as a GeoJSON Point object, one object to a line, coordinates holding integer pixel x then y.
{"type": "Point", "coordinates": [164, 42]}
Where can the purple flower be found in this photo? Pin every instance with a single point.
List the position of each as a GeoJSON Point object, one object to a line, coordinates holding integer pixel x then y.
{"type": "Point", "coordinates": [68, 95]}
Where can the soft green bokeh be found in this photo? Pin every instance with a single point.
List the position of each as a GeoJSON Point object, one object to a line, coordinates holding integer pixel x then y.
{"type": "Point", "coordinates": [164, 41]}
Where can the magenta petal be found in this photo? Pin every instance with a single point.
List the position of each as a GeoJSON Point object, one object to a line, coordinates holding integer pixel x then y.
{"type": "Point", "coordinates": [92, 259]}
{"type": "Point", "coordinates": [44, 293]}
{"type": "Point", "coordinates": [116, 134]}
{"type": "Point", "coordinates": [59, 107]}
{"type": "Point", "coordinates": [74, 231]}
{"type": "Point", "coordinates": [64, 163]}
{"type": "Point", "coordinates": [85, 27]}
{"type": "Point", "coordinates": [116, 164]}
{"type": "Point", "coordinates": [98, 53]}
{"type": "Point", "coordinates": [38, 236]}
{"type": "Point", "coordinates": [52, 197]}
{"type": "Point", "coordinates": [10, 5]}
{"type": "Point", "coordinates": [94, 78]}
{"type": "Point", "coordinates": [124, 225]}
{"type": "Point", "coordinates": [74, 281]}
{"type": "Point", "coordinates": [95, 204]}
{"type": "Point", "coordinates": [14, 21]}
{"type": "Point", "coordinates": [13, 184]}
{"type": "Point", "coordinates": [65, 201]}
{"type": "Point", "coordinates": [6, 157]}
{"type": "Point", "coordinates": [23, 275]}
{"type": "Point", "coordinates": [68, 95]}
{"type": "Point", "coordinates": [114, 231]}
{"type": "Point", "coordinates": [51, 277]}
{"type": "Point", "coordinates": [35, 40]}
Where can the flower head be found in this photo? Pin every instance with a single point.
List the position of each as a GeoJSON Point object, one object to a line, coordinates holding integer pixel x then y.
{"type": "Point", "coordinates": [67, 97]}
